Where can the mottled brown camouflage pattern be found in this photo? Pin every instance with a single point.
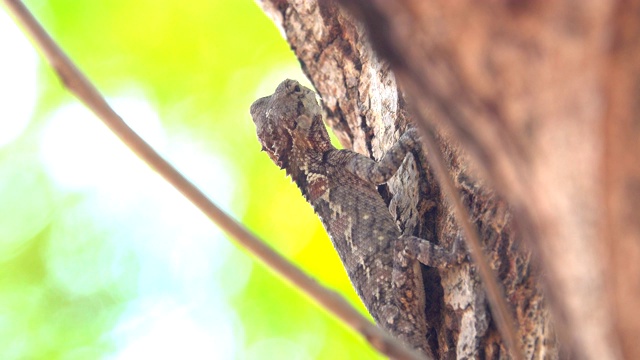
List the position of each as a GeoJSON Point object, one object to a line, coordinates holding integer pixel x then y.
{"type": "Point", "coordinates": [383, 265]}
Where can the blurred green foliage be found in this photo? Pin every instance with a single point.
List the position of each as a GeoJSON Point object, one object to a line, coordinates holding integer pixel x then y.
{"type": "Point", "coordinates": [98, 257]}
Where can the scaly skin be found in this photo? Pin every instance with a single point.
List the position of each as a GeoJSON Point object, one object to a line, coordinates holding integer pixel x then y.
{"type": "Point", "coordinates": [383, 264]}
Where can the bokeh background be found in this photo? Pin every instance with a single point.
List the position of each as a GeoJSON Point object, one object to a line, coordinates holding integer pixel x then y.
{"type": "Point", "coordinates": [99, 258]}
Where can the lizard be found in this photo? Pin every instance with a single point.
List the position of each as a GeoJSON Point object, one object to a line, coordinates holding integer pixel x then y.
{"type": "Point", "coordinates": [341, 186]}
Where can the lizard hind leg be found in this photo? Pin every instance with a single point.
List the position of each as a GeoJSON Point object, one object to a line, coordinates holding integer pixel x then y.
{"type": "Point", "coordinates": [405, 310]}
{"type": "Point", "coordinates": [431, 254]}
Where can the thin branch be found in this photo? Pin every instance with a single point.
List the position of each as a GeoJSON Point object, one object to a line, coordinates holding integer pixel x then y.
{"type": "Point", "coordinates": [84, 90]}
{"type": "Point", "coordinates": [499, 306]}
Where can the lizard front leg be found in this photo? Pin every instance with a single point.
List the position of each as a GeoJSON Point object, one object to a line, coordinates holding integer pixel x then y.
{"type": "Point", "coordinates": [379, 172]}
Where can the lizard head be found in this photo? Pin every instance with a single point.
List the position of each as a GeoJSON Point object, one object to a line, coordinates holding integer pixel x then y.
{"type": "Point", "coordinates": [289, 123]}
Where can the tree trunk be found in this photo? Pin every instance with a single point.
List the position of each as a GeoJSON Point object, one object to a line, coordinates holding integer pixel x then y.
{"type": "Point", "coordinates": [535, 107]}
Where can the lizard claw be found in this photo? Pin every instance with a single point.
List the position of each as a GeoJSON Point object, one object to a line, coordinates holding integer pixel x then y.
{"type": "Point", "coordinates": [459, 253]}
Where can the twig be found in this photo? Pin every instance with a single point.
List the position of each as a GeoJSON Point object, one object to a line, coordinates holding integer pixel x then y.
{"type": "Point", "coordinates": [499, 306]}
{"type": "Point", "coordinates": [84, 90]}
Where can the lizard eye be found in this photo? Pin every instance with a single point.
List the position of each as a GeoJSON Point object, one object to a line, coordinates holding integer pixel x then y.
{"type": "Point", "coordinates": [297, 88]}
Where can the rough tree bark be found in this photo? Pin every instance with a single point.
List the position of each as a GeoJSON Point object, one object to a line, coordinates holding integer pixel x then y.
{"type": "Point", "coordinates": [536, 110]}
